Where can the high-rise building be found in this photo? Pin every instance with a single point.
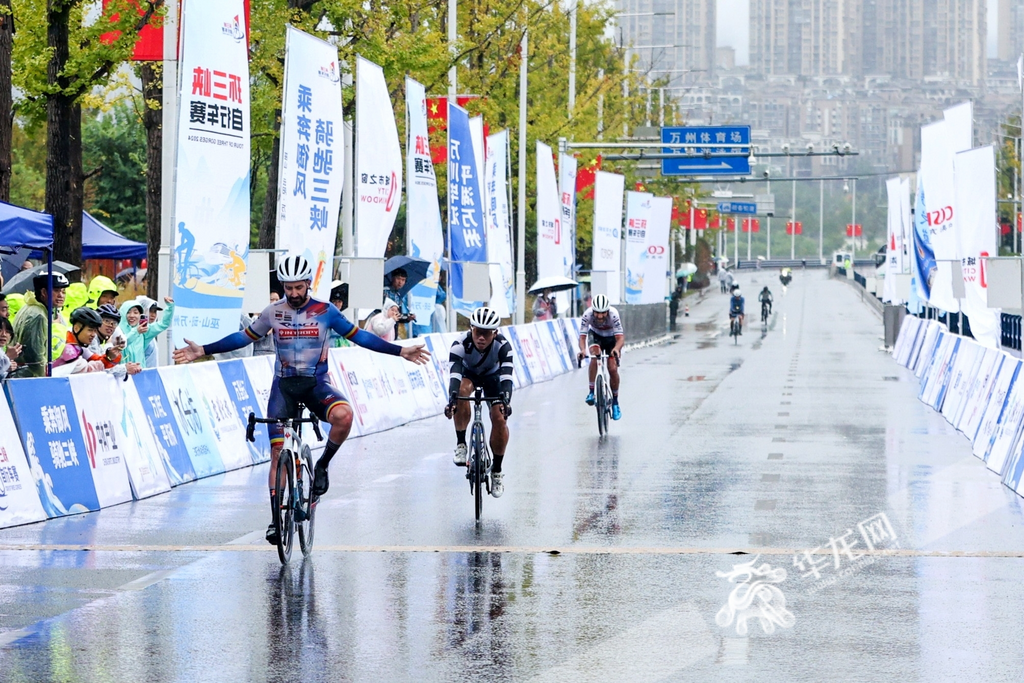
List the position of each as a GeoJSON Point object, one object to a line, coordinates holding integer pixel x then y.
{"type": "Point", "coordinates": [671, 39]}
{"type": "Point", "coordinates": [1011, 30]}
{"type": "Point", "coordinates": [912, 39]}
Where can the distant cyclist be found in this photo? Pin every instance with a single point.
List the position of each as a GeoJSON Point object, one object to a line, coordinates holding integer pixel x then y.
{"type": "Point", "coordinates": [765, 297]}
{"type": "Point", "coordinates": [601, 330]}
{"type": "Point", "coordinates": [301, 326]}
{"type": "Point", "coordinates": [482, 358]}
{"type": "Point", "coordinates": [736, 307]}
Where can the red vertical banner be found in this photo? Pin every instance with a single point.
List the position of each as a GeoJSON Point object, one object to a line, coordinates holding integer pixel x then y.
{"type": "Point", "coordinates": [730, 225]}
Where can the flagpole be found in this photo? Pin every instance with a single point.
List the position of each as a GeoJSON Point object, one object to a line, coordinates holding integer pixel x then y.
{"type": "Point", "coordinates": [521, 218]}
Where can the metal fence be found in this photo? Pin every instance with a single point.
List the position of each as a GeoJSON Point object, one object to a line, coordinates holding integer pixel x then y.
{"type": "Point", "coordinates": [644, 321]}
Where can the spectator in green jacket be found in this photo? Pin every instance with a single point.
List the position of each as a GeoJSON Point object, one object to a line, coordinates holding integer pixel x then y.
{"type": "Point", "coordinates": [30, 326]}
{"type": "Point", "coordinates": [102, 290]}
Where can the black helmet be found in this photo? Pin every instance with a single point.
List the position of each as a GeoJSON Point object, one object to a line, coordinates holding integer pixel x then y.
{"type": "Point", "coordinates": [87, 317]}
{"type": "Point", "coordinates": [60, 281]}
{"type": "Point", "coordinates": [109, 311]}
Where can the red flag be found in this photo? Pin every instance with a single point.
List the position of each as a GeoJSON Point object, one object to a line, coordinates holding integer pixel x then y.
{"type": "Point", "coordinates": [854, 230]}
{"type": "Point", "coordinates": [798, 227]}
{"type": "Point", "coordinates": [730, 225]}
{"type": "Point", "coordinates": [751, 225]}
{"type": "Point", "coordinates": [150, 45]}
{"type": "Point", "coordinates": [700, 219]}
{"type": "Point", "coordinates": [585, 178]}
{"type": "Point", "coordinates": [715, 222]}
{"type": "Point", "coordinates": [437, 122]}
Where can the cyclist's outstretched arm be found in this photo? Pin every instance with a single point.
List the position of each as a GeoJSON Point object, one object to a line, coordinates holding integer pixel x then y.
{"type": "Point", "coordinates": [256, 331]}
{"type": "Point", "coordinates": [340, 324]}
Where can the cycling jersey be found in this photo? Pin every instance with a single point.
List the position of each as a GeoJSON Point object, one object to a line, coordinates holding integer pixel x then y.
{"type": "Point", "coordinates": [302, 337]}
{"type": "Point", "coordinates": [469, 362]}
{"type": "Point", "coordinates": [736, 305]}
{"type": "Point", "coordinates": [765, 298]}
{"type": "Point", "coordinates": [611, 327]}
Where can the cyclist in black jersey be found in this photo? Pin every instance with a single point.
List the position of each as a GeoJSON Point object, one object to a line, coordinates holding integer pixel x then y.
{"type": "Point", "coordinates": [482, 358]}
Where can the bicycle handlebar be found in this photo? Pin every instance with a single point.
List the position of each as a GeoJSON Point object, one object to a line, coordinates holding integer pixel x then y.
{"type": "Point", "coordinates": [580, 357]}
{"type": "Point", "coordinates": [250, 431]}
{"type": "Point", "coordinates": [480, 399]}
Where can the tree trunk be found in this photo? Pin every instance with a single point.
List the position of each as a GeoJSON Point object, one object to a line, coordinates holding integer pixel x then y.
{"type": "Point", "coordinates": [63, 142]}
{"type": "Point", "coordinates": [268, 226]}
{"type": "Point", "coordinates": [6, 98]}
{"type": "Point", "coordinates": [152, 117]}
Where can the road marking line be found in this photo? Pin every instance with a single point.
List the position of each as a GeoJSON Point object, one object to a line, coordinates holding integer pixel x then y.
{"type": "Point", "coordinates": [525, 550]}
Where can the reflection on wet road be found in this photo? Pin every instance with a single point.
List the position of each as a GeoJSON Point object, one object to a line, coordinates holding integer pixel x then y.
{"type": "Point", "coordinates": [794, 473]}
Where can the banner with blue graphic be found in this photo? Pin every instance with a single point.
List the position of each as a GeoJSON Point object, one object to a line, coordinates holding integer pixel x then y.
{"type": "Point", "coordinates": [241, 392]}
{"type": "Point", "coordinates": [466, 227]}
{"type": "Point", "coordinates": [173, 451]}
{"type": "Point", "coordinates": [923, 265]}
{"type": "Point", "coordinates": [186, 407]}
{"type": "Point", "coordinates": [19, 501]}
{"type": "Point", "coordinates": [53, 443]}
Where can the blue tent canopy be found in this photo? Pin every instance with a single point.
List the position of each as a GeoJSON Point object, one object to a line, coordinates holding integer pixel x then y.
{"type": "Point", "coordinates": [24, 228]}
{"type": "Point", "coordinates": [99, 241]}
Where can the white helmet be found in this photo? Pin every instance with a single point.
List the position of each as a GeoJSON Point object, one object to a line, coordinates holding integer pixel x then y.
{"type": "Point", "coordinates": [600, 304]}
{"type": "Point", "coordinates": [485, 318]}
{"type": "Point", "coordinates": [736, 292]}
{"type": "Point", "coordinates": [294, 269]}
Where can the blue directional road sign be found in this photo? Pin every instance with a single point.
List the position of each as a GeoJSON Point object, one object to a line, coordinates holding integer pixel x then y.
{"type": "Point", "coordinates": [738, 207]}
{"type": "Point", "coordinates": [690, 161]}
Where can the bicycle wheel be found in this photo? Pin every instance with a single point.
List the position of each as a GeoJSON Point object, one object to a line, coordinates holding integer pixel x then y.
{"type": "Point", "coordinates": [477, 474]}
{"type": "Point", "coordinates": [285, 517]}
{"type": "Point", "coordinates": [600, 398]}
{"type": "Point", "coordinates": [304, 483]}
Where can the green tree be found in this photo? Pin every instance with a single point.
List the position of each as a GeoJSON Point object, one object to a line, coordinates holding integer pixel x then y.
{"type": "Point", "coordinates": [114, 158]}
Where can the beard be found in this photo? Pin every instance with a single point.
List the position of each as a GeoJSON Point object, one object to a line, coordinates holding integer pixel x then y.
{"type": "Point", "coordinates": [296, 301]}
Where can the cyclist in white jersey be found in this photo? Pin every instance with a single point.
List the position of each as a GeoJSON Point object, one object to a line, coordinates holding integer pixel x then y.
{"type": "Point", "coordinates": [601, 330]}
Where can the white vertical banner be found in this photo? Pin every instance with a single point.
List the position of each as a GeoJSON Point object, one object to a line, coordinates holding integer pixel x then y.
{"type": "Point", "coordinates": [312, 162]}
{"type": "Point", "coordinates": [976, 224]}
{"type": "Point", "coordinates": [211, 206]}
{"type": "Point", "coordinates": [937, 181]}
{"type": "Point", "coordinates": [499, 235]}
{"type": "Point", "coordinates": [378, 162]}
{"type": "Point", "coordinates": [638, 217]}
{"type": "Point", "coordinates": [425, 235]}
{"type": "Point", "coordinates": [656, 255]}
{"type": "Point", "coordinates": [960, 126]}
{"type": "Point", "coordinates": [549, 222]}
{"type": "Point", "coordinates": [908, 226]}
{"type": "Point", "coordinates": [607, 238]}
{"type": "Point", "coordinates": [567, 204]}
{"type": "Point", "coordinates": [894, 246]}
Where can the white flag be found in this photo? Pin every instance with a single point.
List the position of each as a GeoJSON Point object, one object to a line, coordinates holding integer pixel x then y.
{"type": "Point", "coordinates": [549, 222]}
{"type": "Point", "coordinates": [894, 243]}
{"type": "Point", "coordinates": [211, 206]}
{"type": "Point", "coordinates": [567, 216]}
{"type": "Point", "coordinates": [499, 235]}
{"type": "Point", "coordinates": [638, 217]}
{"type": "Point", "coordinates": [423, 214]}
{"type": "Point", "coordinates": [607, 239]}
{"type": "Point", "coordinates": [976, 225]}
{"type": "Point", "coordinates": [937, 181]}
{"type": "Point", "coordinates": [311, 168]}
{"type": "Point", "coordinates": [656, 254]}
{"type": "Point", "coordinates": [378, 162]}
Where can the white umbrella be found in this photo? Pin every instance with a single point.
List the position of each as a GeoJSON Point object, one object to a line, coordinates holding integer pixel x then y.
{"type": "Point", "coordinates": [686, 269]}
{"type": "Point", "coordinates": [556, 283]}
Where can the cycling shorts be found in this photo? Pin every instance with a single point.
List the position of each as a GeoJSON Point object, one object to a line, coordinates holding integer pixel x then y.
{"type": "Point", "coordinates": [289, 394]}
{"type": "Point", "coordinates": [491, 384]}
{"type": "Point", "coordinates": [607, 344]}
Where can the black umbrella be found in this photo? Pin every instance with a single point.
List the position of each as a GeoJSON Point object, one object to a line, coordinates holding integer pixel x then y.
{"type": "Point", "coordinates": [415, 268]}
{"type": "Point", "coordinates": [22, 282]}
{"type": "Point", "coordinates": [11, 260]}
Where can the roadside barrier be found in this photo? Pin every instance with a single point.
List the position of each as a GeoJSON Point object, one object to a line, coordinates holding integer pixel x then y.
{"type": "Point", "coordinates": [81, 443]}
{"type": "Point", "coordinates": [980, 391]}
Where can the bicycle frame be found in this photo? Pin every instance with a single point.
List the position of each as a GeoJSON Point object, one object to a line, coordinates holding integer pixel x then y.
{"type": "Point", "coordinates": [479, 470]}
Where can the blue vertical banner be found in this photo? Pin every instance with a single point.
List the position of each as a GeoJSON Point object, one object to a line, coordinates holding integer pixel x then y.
{"type": "Point", "coordinates": [54, 446]}
{"type": "Point", "coordinates": [922, 265]}
{"type": "Point", "coordinates": [165, 430]}
{"type": "Point", "coordinates": [245, 399]}
{"type": "Point", "coordinates": [466, 228]}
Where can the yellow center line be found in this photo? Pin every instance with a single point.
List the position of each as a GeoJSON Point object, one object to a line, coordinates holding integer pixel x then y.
{"type": "Point", "coordinates": [524, 550]}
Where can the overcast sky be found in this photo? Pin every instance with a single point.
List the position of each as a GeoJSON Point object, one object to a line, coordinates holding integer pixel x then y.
{"type": "Point", "coordinates": [733, 27]}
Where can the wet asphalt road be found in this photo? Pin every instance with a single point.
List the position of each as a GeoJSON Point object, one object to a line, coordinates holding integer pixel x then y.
{"type": "Point", "coordinates": [599, 563]}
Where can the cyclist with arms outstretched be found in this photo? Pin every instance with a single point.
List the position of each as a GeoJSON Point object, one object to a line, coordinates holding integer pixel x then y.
{"type": "Point", "coordinates": [601, 330]}
{"type": "Point", "coordinates": [302, 329]}
{"type": "Point", "coordinates": [482, 358]}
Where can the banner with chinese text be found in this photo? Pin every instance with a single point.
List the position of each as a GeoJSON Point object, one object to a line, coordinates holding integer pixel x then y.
{"type": "Point", "coordinates": [211, 206]}
{"type": "Point", "coordinates": [378, 162]}
{"type": "Point", "coordinates": [423, 213]}
{"type": "Point", "coordinates": [466, 228]}
{"type": "Point", "coordinates": [656, 254]}
{"type": "Point", "coordinates": [499, 225]}
{"type": "Point", "coordinates": [638, 217]}
{"type": "Point", "coordinates": [311, 168]}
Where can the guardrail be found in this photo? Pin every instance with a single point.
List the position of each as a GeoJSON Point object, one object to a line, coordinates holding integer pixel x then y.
{"type": "Point", "coordinates": [743, 264]}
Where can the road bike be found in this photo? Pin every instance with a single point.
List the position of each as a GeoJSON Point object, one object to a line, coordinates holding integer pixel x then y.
{"type": "Point", "coordinates": [602, 392]}
{"type": "Point", "coordinates": [764, 314]}
{"type": "Point", "coordinates": [296, 509]}
{"type": "Point", "coordinates": [479, 470]}
{"type": "Point", "coordinates": [734, 328]}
